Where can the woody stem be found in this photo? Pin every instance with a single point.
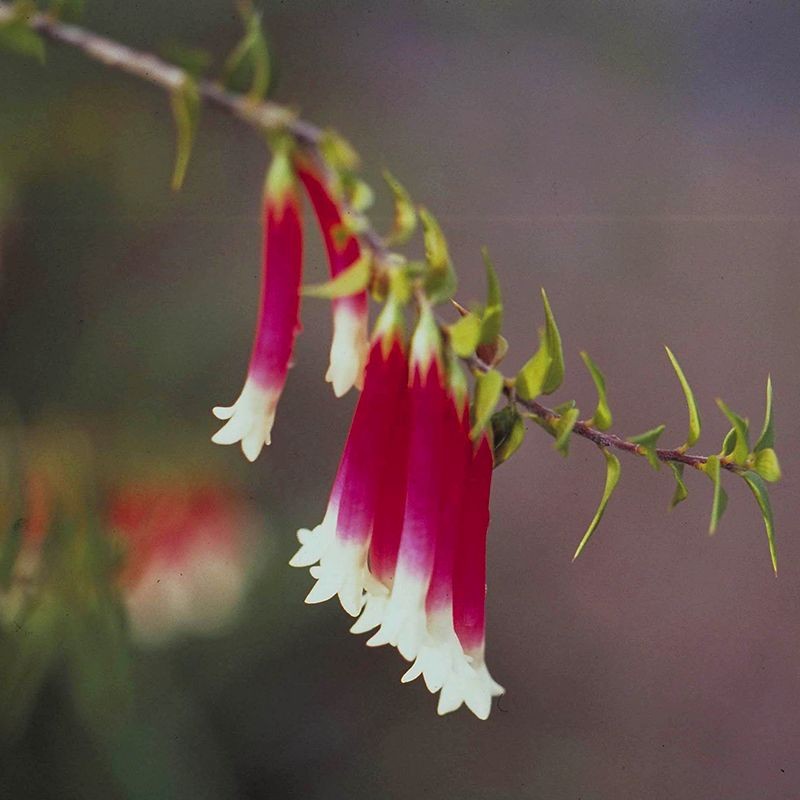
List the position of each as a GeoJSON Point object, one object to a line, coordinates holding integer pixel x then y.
{"type": "Point", "coordinates": [268, 116]}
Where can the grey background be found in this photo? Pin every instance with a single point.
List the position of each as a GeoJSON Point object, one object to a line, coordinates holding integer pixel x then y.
{"type": "Point", "coordinates": [640, 161]}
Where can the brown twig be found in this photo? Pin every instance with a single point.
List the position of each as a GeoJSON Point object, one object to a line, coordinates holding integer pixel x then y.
{"type": "Point", "coordinates": [269, 116]}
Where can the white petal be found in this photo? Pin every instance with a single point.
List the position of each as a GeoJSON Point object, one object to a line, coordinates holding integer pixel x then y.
{"type": "Point", "coordinates": [314, 543]}
{"type": "Point", "coordinates": [349, 350]}
{"type": "Point", "coordinates": [377, 597]}
{"type": "Point", "coordinates": [249, 419]}
{"type": "Point", "coordinates": [341, 571]}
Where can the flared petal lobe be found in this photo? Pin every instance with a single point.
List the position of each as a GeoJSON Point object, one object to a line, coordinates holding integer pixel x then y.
{"type": "Point", "coordinates": [250, 418]}
{"type": "Point", "coordinates": [349, 346]}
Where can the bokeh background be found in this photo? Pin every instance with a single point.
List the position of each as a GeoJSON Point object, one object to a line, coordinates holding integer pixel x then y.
{"type": "Point", "coordinates": [640, 161]}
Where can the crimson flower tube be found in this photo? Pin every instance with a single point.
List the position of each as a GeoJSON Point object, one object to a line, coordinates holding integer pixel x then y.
{"type": "Point", "coordinates": [341, 541]}
{"type": "Point", "coordinates": [251, 417]}
{"type": "Point", "coordinates": [475, 686]}
{"type": "Point", "coordinates": [404, 620]}
{"type": "Point", "coordinates": [349, 347]}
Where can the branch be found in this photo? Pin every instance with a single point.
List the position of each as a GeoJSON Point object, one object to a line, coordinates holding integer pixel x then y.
{"type": "Point", "coordinates": [270, 116]}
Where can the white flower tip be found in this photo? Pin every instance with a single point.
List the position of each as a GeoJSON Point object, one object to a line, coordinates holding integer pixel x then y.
{"type": "Point", "coordinates": [249, 419]}
{"type": "Point", "coordinates": [349, 350]}
{"type": "Point", "coordinates": [223, 412]}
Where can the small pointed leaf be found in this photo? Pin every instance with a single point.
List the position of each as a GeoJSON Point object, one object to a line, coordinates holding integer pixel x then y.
{"type": "Point", "coordinates": [681, 492]}
{"type": "Point", "coordinates": [405, 215]}
{"type": "Point", "coordinates": [720, 500]}
{"type": "Point", "coordinates": [612, 478]}
{"type": "Point", "coordinates": [729, 442]}
{"type": "Point", "coordinates": [250, 57]}
{"type": "Point", "coordinates": [351, 281]}
{"type": "Point", "coordinates": [440, 281]}
{"type": "Point", "coordinates": [492, 320]}
{"type": "Point", "coordinates": [694, 414]}
{"type": "Point", "coordinates": [767, 436]}
{"type": "Point", "coordinates": [741, 449]}
{"type": "Point", "coordinates": [531, 378]}
{"type": "Point", "coordinates": [564, 428]}
{"type": "Point", "coordinates": [601, 418]}
{"type": "Point", "coordinates": [464, 335]}
{"type": "Point", "coordinates": [185, 102]}
{"type": "Point", "coordinates": [552, 339]}
{"type": "Point", "coordinates": [647, 445]}
{"type": "Point", "coordinates": [508, 433]}
{"type": "Point", "coordinates": [758, 489]}
{"type": "Point", "coordinates": [488, 388]}
{"type": "Point", "coordinates": [767, 466]}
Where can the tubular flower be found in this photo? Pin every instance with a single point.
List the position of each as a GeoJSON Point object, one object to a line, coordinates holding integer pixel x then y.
{"type": "Point", "coordinates": [186, 557]}
{"type": "Point", "coordinates": [349, 348]}
{"type": "Point", "coordinates": [340, 542]}
{"type": "Point", "coordinates": [404, 617]}
{"type": "Point", "coordinates": [473, 685]}
{"type": "Point", "coordinates": [250, 418]}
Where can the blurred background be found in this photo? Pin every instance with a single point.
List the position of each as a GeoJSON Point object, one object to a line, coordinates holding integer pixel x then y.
{"type": "Point", "coordinates": [640, 161]}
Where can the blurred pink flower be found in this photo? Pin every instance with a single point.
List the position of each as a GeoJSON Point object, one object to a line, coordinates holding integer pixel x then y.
{"type": "Point", "coordinates": [186, 557]}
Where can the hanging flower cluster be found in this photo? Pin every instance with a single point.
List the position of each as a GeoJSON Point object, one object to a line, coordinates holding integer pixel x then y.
{"type": "Point", "coordinates": [403, 539]}
{"type": "Point", "coordinates": [402, 543]}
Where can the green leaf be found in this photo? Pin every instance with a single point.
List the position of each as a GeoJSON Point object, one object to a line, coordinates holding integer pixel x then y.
{"type": "Point", "coordinates": [17, 36]}
{"type": "Point", "coordinates": [350, 281]}
{"type": "Point", "coordinates": [647, 445]}
{"type": "Point", "coordinates": [530, 379]}
{"type": "Point", "coordinates": [742, 448]}
{"type": "Point", "coordinates": [681, 492]}
{"type": "Point", "coordinates": [405, 215]}
{"type": "Point", "coordinates": [488, 388]}
{"type": "Point", "coordinates": [249, 58]}
{"type": "Point", "coordinates": [492, 320]}
{"type": "Point", "coordinates": [338, 153]}
{"type": "Point", "coordinates": [464, 335]}
{"type": "Point", "coordinates": [508, 433]}
{"type": "Point", "coordinates": [601, 418]}
{"type": "Point", "coordinates": [694, 414]}
{"type": "Point", "coordinates": [564, 428]}
{"type": "Point", "coordinates": [729, 442]}
{"type": "Point", "coordinates": [440, 281]}
{"type": "Point", "coordinates": [185, 103]}
{"type": "Point", "coordinates": [613, 470]}
{"type": "Point", "coordinates": [720, 500]}
{"type": "Point", "coordinates": [762, 498]}
{"type": "Point", "coordinates": [767, 466]}
{"type": "Point", "coordinates": [552, 341]}
{"type": "Point", "coordinates": [767, 436]}
{"type": "Point", "coordinates": [359, 194]}
{"type": "Point", "coordinates": [564, 407]}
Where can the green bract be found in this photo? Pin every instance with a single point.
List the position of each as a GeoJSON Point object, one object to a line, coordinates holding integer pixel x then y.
{"type": "Point", "coordinates": [613, 470]}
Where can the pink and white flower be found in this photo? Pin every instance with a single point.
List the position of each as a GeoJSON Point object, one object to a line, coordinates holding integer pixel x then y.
{"type": "Point", "coordinates": [340, 542]}
{"type": "Point", "coordinates": [251, 417]}
{"type": "Point", "coordinates": [404, 618]}
{"type": "Point", "coordinates": [187, 551]}
{"type": "Point", "coordinates": [349, 347]}
{"type": "Point", "coordinates": [473, 686]}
